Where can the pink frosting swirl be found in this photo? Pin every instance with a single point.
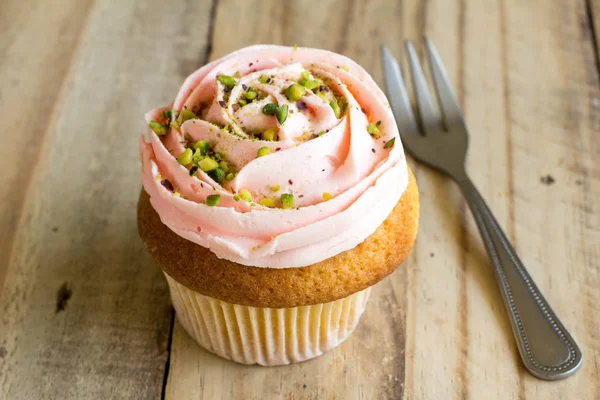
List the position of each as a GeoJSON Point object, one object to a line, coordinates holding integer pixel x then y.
{"type": "Point", "coordinates": [337, 162]}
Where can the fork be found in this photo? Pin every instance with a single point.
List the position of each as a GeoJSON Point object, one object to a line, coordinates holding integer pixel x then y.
{"type": "Point", "coordinates": [548, 351]}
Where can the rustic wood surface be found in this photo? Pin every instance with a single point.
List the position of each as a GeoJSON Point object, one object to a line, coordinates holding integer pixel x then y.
{"type": "Point", "coordinates": [84, 313]}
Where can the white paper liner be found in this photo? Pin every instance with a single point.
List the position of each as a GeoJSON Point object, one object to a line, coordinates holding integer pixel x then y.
{"type": "Point", "coordinates": [266, 336]}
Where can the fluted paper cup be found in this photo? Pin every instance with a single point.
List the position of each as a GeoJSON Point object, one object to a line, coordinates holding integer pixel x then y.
{"type": "Point", "coordinates": [266, 336]}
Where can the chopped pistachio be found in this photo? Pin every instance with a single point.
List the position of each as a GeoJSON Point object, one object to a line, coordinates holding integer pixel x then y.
{"type": "Point", "coordinates": [185, 158]}
{"type": "Point", "coordinates": [242, 102]}
{"type": "Point", "coordinates": [224, 166]}
{"type": "Point", "coordinates": [213, 200]}
{"type": "Point", "coordinates": [309, 84]}
{"type": "Point", "coordinates": [390, 143]}
{"type": "Point", "coordinates": [193, 170]}
{"type": "Point", "coordinates": [230, 176]}
{"type": "Point", "coordinates": [208, 164]}
{"type": "Point", "coordinates": [294, 92]}
{"type": "Point", "coordinates": [327, 196]}
{"type": "Point", "coordinates": [282, 113]}
{"type": "Point", "coordinates": [226, 80]}
{"type": "Point", "coordinates": [187, 114]}
{"type": "Point", "coordinates": [167, 114]}
{"type": "Point", "coordinates": [237, 74]}
{"type": "Point", "coordinates": [198, 156]}
{"type": "Point", "coordinates": [269, 134]}
{"type": "Point", "coordinates": [159, 129]}
{"type": "Point", "coordinates": [263, 79]}
{"type": "Point", "coordinates": [336, 108]}
{"type": "Point", "coordinates": [263, 151]}
{"type": "Point", "coordinates": [245, 195]}
{"type": "Point", "coordinates": [305, 75]}
{"type": "Point", "coordinates": [267, 202]}
{"type": "Point", "coordinates": [202, 146]}
{"type": "Point", "coordinates": [295, 47]}
{"type": "Point", "coordinates": [269, 109]}
{"type": "Point", "coordinates": [378, 123]}
{"type": "Point", "coordinates": [323, 95]}
{"type": "Point", "coordinates": [321, 133]}
{"type": "Point", "coordinates": [236, 197]}
{"type": "Point", "coordinates": [217, 174]}
{"type": "Point", "coordinates": [287, 201]}
{"type": "Point", "coordinates": [373, 129]}
{"type": "Point", "coordinates": [275, 188]}
{"type": "Point", "coordinates": [346, 68]}
{"type": "Point", "coordinates": [250, 94]}
{"type": "Point", "coordinates": [218, 157]}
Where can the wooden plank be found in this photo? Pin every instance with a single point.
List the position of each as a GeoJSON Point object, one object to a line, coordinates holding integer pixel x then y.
{"type": "Point", "coordinates": [32, 72]}
{"type": "Point", "coordinates": [525, 74]}
{"type": "Point", "coordinates": [78, 226]}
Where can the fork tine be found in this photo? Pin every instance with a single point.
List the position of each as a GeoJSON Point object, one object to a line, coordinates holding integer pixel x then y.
{"type": "Point", "coordinates": [448, 104]}
{"type": "Point", "coordinates": [429, 119]}
{"type": "Point", "coordinates": [396, 91]}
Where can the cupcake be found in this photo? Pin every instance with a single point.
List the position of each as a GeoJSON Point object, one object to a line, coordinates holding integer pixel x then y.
{"type": "Point", "coordinates": [275, 194]}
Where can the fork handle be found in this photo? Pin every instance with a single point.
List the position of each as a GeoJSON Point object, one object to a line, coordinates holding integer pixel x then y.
{"type": "Point", "coordinates": [547, 349]}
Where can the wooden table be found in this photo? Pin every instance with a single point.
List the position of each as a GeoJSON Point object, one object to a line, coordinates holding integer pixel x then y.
{"type": "Point", "coordinates": [84, 312]}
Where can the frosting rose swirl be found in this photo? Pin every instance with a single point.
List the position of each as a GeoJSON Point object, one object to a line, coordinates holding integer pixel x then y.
{"type": "Point", "coordinates": [275, 157]}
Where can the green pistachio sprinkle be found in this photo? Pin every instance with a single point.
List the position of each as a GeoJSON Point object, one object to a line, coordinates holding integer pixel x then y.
{"type": "Point", "coordinates": [236, 197]}
{"type": "Point", "coordinates": [250, 94]}
{"type": "Point", "coordinates": [218, 157]}
{"type": "Point", "coordinates": [378, 123]}
{"type": "Point", "coordinates": [323, 95]}
{"type": "Point", "coordinates": [390, 143]}
{"type": "Point", "coordinates": [309, 84]}
{"type": "Point", "coordinates": [336, 108]}
{"type": "Point", "coordinates": [269, 109]}
{"type": "Point", "coordinates": [294, 92]}
{"type": "Point", "coordinates": [263, 79]}
{"type": "Point", "coordinates": [321, 133]}
{"type": "Point", "coordinates": [185, 158]}
{"type": "Point", "coordinates": [193, 170]}
{"type": "Point", "coordinates": [167, 114]}
{"type": "Point", "coordinates": [237, 74]}
{"type": "Point", "coordinates": [187, 114]}
{"type": "Point", "coordinates": [224, 166]}
{"type": "Point", "coordinates": [242, 102]}
{"type": "Point", "coordinates": [373, 129]}
{"type": "Point", "coordinates": [213, 200]}
{"type": "Point", "coordinates": [269, 134]}
{"type": "Point", "coordinates": [282, 113]}
{"type": "Point", "coordinates": [217, 174]}
{"type": "Point", "coordinates": [267, 202]}
{"type": "Point", "coordinates": [275, 188]}
{"type": "Point", "coordinates": [202, 146]}
{"type": "Point", "coordinates": [158, 128]}
{"type": "Point", "coordinates": [295, 47]}
{"type": "Point", "coordinates": [346, 68]}
{"type": "Point", "coordinates": [263, 151]}
{"type": "Point", "coordinates": [245, 195]}
{"type": "Point", "coordinates": [174, 124]}
{"type": "Point", "coordinates": [327, 196]}
{"type": "Point", "coordinates": [287, 201]}
{"type": "Point", "coordinates": [230, 176]}
{"type": "Point", "coordinates": [305, 75]}
{"type": "Point", "coordinates": [208, 164]}
{"type": "Point", "coordinates": [198, 156]}
{"type": "Point", "coordinates": [226, 80]}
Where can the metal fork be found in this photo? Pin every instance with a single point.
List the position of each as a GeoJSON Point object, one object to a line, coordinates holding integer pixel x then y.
{"type": "Point", "coordinates": [546, 348]}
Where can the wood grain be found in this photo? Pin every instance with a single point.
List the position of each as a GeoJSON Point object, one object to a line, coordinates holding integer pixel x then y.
{"type": "Point", "coordinates": [448, 333]}
{"type": "Point", "coordinates": [84, 313]}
